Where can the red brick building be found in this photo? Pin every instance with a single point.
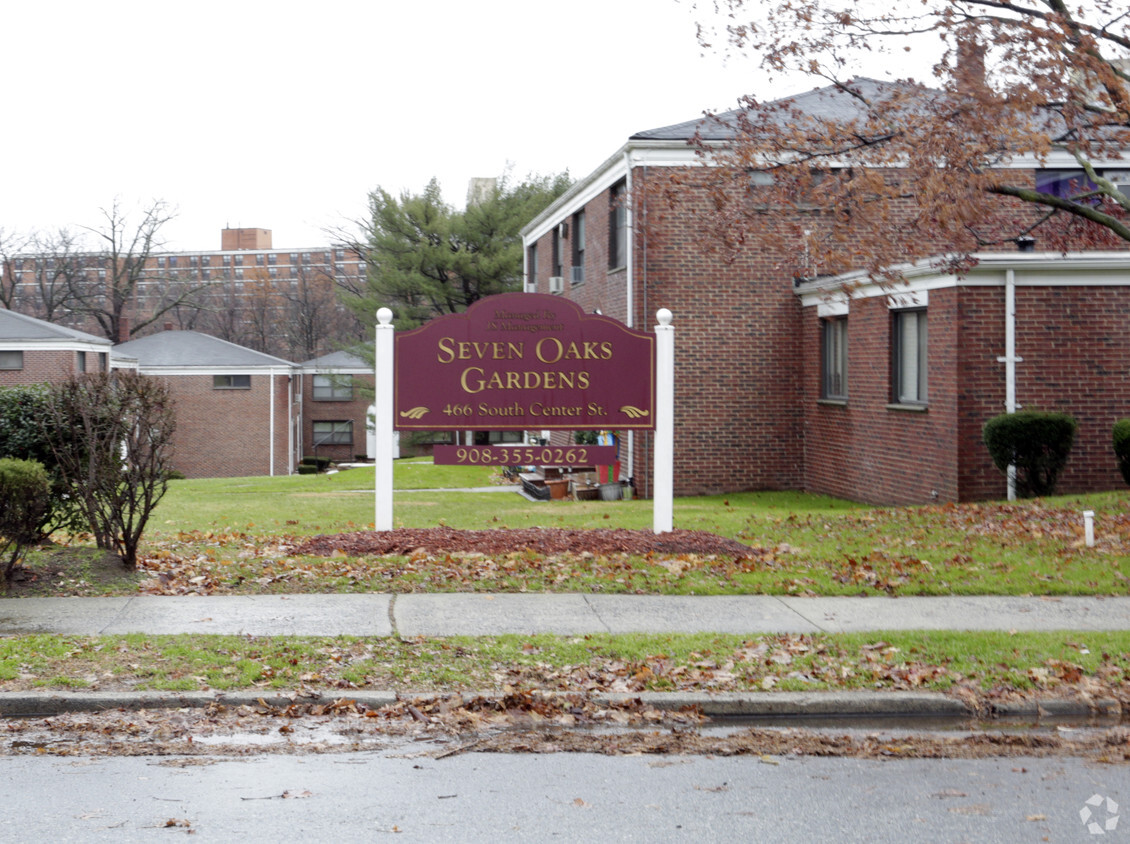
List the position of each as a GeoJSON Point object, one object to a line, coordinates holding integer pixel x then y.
{"type": "Point", "coordinates": [335, 412]}
{"type": "Point", "coordinates": [33, 351]}
{"type": "Point", "coordinates": [238, 410]}
{"type": "Point", "coordinates": [880, 396]}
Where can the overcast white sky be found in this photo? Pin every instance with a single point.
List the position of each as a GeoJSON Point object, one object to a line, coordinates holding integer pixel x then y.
{"type": "Point", "coordinates": [284, 115]}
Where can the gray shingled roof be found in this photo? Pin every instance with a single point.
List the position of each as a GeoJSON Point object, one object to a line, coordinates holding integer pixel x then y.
{"type": "Point", "coordinates": [831, 102]}
{"type": "Point", "coordinates": [336, 360]}
{"type": "Point", "coordinates": [15, 326]}
{"type": "Point", "coordinates": [191, 348]}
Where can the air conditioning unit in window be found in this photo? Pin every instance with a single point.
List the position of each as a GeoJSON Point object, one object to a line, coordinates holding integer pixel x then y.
{"type": "Point", "coordinates": [556, 284]}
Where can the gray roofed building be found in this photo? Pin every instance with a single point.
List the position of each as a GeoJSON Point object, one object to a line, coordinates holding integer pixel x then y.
{"type": "Point", "coordinates": [337, 360]}
{"type": "Point", "coordinates": [17, 326]}
{"type": "Point", "coordinates": [183, 349]}
{"type": "Point", "coordinates": [828, 103]}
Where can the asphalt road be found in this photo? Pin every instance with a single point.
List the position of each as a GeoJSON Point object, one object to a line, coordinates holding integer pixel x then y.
{"type": "Point", "coordinates": [405, 795]}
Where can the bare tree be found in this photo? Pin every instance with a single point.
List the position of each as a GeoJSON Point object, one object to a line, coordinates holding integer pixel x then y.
{"type": "Point", "coordinates": [57, 264]}
{"type": "Point", "coordinates": [119, 274]}
{"type": "Point", "coordinates": [111, 436]}
{"type": "Point", "coordinates": [869, 174]}
{"type": "Point", "coordinates": [314, 320]}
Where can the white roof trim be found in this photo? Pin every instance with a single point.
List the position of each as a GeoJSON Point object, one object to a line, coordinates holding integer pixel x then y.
{"type": "Point", "coordinates": [1033, 269]}
{"type": "Point", "coordinates": [214, 370]}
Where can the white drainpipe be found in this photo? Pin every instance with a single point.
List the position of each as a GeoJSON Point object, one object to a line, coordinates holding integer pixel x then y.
{"type": "Point", "coordinates": [271, 447]}
{"type": "Point", "coordinates": [1010, 360]}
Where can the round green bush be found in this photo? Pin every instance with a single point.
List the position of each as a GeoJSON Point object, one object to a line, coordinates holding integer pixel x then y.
{"type": "Point", "coordinates": [1122, 447]}
{"type": "Point", "coordinates": [25, 497]}
{"type": "Point", "coordinates": [1036, 442]}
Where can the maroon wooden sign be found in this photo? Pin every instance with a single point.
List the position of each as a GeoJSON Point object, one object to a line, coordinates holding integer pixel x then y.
{"type": "Point", "coordinates": [524, 361]}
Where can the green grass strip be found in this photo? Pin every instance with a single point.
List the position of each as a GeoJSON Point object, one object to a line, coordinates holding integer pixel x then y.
{"type": "Point", "coordinates": [1097, 663]}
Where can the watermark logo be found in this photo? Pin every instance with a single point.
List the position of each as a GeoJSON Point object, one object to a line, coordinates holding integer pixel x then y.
{"type": "Point", "coordinates": [1099, 820]}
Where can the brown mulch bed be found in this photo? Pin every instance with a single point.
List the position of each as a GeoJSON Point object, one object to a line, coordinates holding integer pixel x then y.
{"type": "Point", "coordinates": [406, 541]}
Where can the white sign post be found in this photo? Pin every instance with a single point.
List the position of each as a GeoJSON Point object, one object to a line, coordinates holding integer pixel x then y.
{"type": "Point", "coordinates": [663, 503]}
{"type": "Point", "coordinates": [383, 421]}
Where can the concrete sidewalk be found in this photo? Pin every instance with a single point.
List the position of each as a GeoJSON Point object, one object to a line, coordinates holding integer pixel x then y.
{"type": "Point", "coordinates": [568, 614]}
{"type": "Point", "coordinates": [475, 614]}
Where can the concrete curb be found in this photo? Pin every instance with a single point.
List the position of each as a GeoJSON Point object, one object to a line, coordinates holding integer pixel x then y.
{"type": "Point", "coordinates": [781, 706]}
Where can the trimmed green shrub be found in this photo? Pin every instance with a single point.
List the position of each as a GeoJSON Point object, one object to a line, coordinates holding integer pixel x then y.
{"type": "Point", "coordinates": [25, 435]}
{"type": "Point", "coordinates": [25, 498]}
{"type": "Point", "coordinates": [307, 469]}
{"type": "Point", "coordinates": [1122, 447]}
{"type": "Point", "coordinates": [319, 463]}
{"type": "Point", "coordinates": [1035, 442]}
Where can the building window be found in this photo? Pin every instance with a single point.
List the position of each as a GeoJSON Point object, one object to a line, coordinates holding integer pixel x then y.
{"type": "Point", "coordinates": [333, 433]}
{"type": "Point", "coordinates": [556, 252]}
{"type": "Point", "coordinates": [532, 266]}
{"type": "Point", "coordinates": [618, 225]}
{"type": "Point", "coordinates": [103, 362]}
{"type": "Point", "coordinates": [161, 263]}
{"type": "Point", "coordinates": [172, 260]}
{"type": "Point", "coordinates": [11, 360]}
{"type": "Point", "coordinates": [833, 360]}
{"type": "Point", "coordinates": [80, 361]}
{"type": "Point", "coordinates": [577, 275]}
{"type": "Point", "coordinates": [272, 259]}
{"type": "Point", "coordinates": [333, 388]}
{"type": "Point", "coordinates": [231, 382]}
{"type": "Point", "coordinates": [908, 357]}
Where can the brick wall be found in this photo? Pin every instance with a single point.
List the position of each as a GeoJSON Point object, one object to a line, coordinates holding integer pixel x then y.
{"type": "Point", "coordinates": [226, 433]}
{"type": "Point", "coordinates": [355, 411]}
{"type": "Point", "coordinates": [869, 448]}
{"type": "Point", "coordinates": [43, 366]}
{"type": "Point", "coordinates": [747, 391]}
{"type": "Point", "coordinates": [1075, 345]}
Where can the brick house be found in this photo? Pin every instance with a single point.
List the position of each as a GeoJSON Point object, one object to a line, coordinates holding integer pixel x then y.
{"type": "Point", "coordinates": [238, 410]}
{"type": "Point", "coordinates": [34, 351]}
{"type": "Point", "coordinates": [767, 396]}
{"type": "Point", "coordinates": [335, 414]}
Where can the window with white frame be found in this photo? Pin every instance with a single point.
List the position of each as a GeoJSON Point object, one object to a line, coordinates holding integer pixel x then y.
{"type": "Point", "coordinates": [11, 359]}
{"type": "Point", "coordinates": [577, 269]}
{"type": "Point", "coordinates": [333, 388]}
{"type": "Point", "coordinates": [618, 225]}
{"type": "Point", "coordinates": [908, 357]}
{"type": "Point", "coordinates": [333, 433]}
{"type": "Point", "coordinates": [833, 358]}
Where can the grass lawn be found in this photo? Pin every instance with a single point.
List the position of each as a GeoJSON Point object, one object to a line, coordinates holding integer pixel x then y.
{"type": "Point", "coordinates": [235, 535]}
{"type": "Point", "coordinates": [983, 664]}
{"type": "Point", "coordinates": [225, 536]}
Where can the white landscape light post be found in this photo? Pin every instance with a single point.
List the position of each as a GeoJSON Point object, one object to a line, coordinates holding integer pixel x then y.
{"type": "Point", "coordinates": [663, 506]}
{"type": "Point", "coordinates": [383, 419]}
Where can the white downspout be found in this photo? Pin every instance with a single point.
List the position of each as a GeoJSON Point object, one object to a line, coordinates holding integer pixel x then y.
{"type": "Point", "coordinates": [629, 274]}
{"type": "Point", "coordinates": [271, 449]}
{"type": "Point", "coordinates": [1010, 360]}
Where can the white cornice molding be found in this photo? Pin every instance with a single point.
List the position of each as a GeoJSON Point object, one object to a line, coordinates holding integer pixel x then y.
{"type": "Point", "coordinates": [215, 370]}
{"type": "Point", "coordinates": [1043, 269]}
